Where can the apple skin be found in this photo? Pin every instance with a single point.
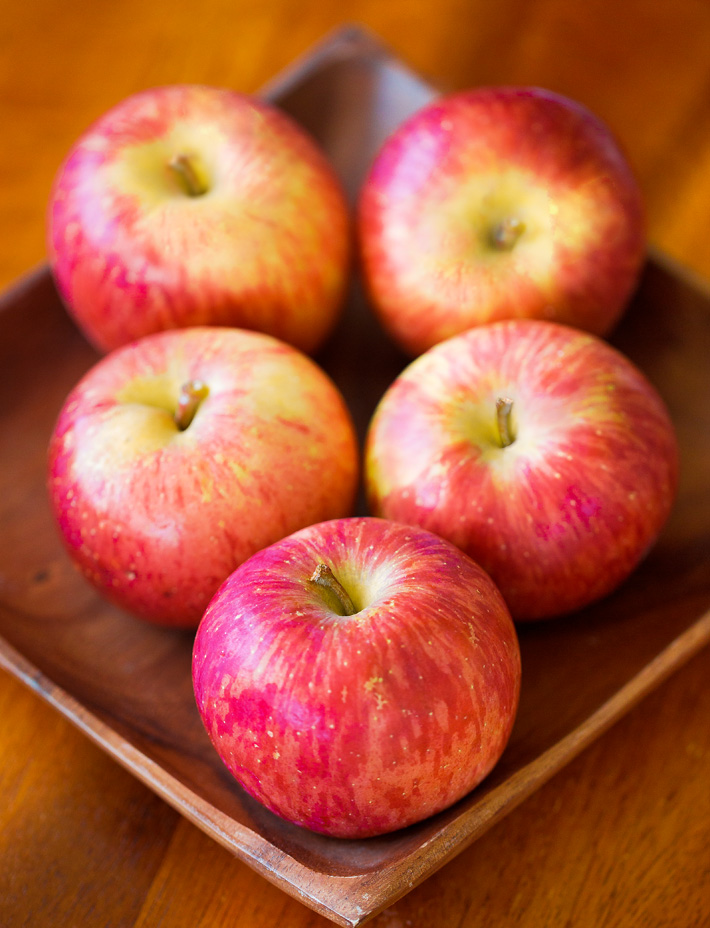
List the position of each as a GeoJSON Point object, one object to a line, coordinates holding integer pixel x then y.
{"type": "Point", "coordinates": [442, 184]}
{"type": "Point", "coordinates": [266, 247]}
{"type": "Point", "coordinates": [157, 517]}
{"type": "Point", "coordinates": [358, 725]}
{"type": "Point", "coordinates": [563, 514]}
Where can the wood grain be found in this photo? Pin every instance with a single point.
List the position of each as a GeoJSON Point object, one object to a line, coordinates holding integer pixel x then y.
{"type": "Point", "coordinates": [621, 835]}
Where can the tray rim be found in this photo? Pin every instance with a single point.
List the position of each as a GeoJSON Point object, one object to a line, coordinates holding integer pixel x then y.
{"type": "Point", "coordinates": [352, 42]}
{"type": "Point", "coordinates": [501, 800]}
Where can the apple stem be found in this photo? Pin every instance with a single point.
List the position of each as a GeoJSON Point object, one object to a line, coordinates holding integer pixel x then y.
{"type": "Point", "coordinates": [324, 577]}
{"type": "Point", "coordinates": [504, 407]}
{"type": "Point", "coordinates": [506, 233]}
{"type": "Point", "coordinates": [191, 396]}
{"type": "Point", "coordinates": [186, 170]}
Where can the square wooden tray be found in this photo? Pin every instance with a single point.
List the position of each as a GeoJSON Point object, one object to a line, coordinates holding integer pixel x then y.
{"type": "Point", "coordinates": [127, 685]}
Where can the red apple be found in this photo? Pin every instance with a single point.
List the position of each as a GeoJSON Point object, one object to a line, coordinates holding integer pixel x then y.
{"type": "Point", "coordinates": [358, 676]}
{"type": "Point", "coordinates": [499, 203]}
{"type": "Point", "coordinates": [188, 205]}
{"type": "Point", "coordinates": [178, 456]}
{"type": "Point", "coordinates": [538, 449]}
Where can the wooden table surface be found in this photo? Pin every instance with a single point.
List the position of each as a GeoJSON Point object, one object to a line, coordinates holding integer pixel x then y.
{"type": "Point", "coordinates": [622, 835]}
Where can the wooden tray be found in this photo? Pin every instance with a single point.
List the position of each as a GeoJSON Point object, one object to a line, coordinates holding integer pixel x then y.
{"type": "Point", "coordinates": [127, 685]}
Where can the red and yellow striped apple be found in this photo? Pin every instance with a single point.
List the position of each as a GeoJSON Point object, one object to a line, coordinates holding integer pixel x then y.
{"type": "Point", "coordinates": [178, 456]}
{"type": "Point", "coordinates": [358, 676]}
{"type": "Point", "coordinates": [538, 449]}
{"type": "Point", "coordinates": [498, 203]}
{"type": "Point", "coordinates": [189, 205]}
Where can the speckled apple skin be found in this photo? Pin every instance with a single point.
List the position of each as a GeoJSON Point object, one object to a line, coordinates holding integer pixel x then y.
{"type": "Point", "coordinates": [465, 162]}
{"type": "Point", "coordinates": [560, 517]}
{"type": "Point", "coordinates": [357, 725]}
{"type": "Point", "coordinates": [156, 518]}
{"type": "Point", "coordinates": [266, 248]}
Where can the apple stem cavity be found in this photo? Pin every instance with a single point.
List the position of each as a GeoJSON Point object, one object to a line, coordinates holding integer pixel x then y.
{"type": "Point", "coordinates": [506, 233]}
{"type": "Point", "coordinates": [188, 174]}
{"type": "Point", "coordinates": [338, 597]}
{"type": "Point", "coordinates": [192, 394]}
{"type": "Point", "coordinates": [504, 408]}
